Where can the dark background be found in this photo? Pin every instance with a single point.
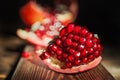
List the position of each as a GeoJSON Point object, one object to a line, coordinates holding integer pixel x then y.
{"type": "Point", "coordinates": [100, 16]}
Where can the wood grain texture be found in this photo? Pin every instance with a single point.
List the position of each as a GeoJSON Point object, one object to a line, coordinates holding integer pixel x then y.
{"type": "Point", "coordinates": [28, 71]}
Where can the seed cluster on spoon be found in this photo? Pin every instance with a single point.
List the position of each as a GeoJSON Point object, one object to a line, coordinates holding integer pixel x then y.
{"type": "Point", "coordinates": [74, 46]}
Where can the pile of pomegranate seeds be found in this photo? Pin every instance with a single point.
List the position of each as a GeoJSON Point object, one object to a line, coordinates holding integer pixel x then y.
{"type": "Point", "coordinates": [74, 46]}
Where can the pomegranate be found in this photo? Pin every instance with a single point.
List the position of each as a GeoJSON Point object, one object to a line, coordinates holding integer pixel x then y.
{"type": "Point", "coordinates": [74, 50]}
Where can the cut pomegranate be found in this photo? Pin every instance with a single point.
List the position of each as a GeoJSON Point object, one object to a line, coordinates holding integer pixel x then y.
{"type": "Point", "coordinates": [79, 51]}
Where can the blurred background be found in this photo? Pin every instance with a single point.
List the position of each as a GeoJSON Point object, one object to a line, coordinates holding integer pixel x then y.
{"type": "Point", "coordinates": [100, 16]}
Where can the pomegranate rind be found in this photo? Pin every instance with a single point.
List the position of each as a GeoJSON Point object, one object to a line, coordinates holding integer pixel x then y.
{"type": "Point", "coordinates": [77, 69]}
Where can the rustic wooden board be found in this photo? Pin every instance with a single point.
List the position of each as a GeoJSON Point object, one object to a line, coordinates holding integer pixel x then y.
{"type": "Point", "coordinates": [27, 71]}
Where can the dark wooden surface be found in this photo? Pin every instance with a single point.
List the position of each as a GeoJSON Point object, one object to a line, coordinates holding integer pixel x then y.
{"type": "Point", "coordinates": [25, 70]}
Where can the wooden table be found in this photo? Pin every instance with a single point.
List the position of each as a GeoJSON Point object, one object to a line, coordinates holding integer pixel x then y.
{"type": "Point", "coordinates": [28, 71]}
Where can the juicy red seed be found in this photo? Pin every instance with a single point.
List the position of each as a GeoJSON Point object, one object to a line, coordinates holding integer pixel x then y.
{"type": "Point", "coordinates": [70, 58]}
{"type": "Point", "coordinates": [85, 60]}
{"type": "Point", "coordinates": [99, 46]}
{"type": "Point", "coordinates": [68, 64]}
{"type": "Point", "coordinates": [95, 40]}
{"type": "Point", "coordinates": [38, 33]}
{"type": "Point", "coordinates": [65, 55]}
{"type": "Point", "coordinates": [82, 40]}
{"type": "Point", "coordinates": [58, 42]}
{"type": "Point", "coordinates": [70, 35]}
{"type": "Point", "coordinates": [71, 51]}
{"type": "Point", "coordinates": [77, 54]}
{"type": "Point", "coordinates": [80, 47]}
{"type": "Point", "coordinates": [90, 50]}
{"type": "Point", "coordinates": [89, 35]}
{"type": "Point", "coordinates": [91, 57]}
{"type": "Point", "coordinates": [62, 32]}
{"type": "Point", "coordinates": [27, 29]}
{"type": "Point", "coordinates": [54, 48]}
{"type": "Point", "coordinates": [84, 31]}
{"type": "Point", "coordinates": [68, 42]}
{"type": "Point", "coordinates": [25, 54]}
{"type": "Point", "coordinates": [59, 52]}
{"type": "Point", "coordinates": [70, 28]}
{"type": "Point", "coordinates": [63, 38]}
{"type": "Point", "coordinates": [59, 57]}
{"type": "Point", "coordinates": [97, 53]}
{"type": "Point", "coordinates": [77, 62]}
{"type": "Point", "coordinates": [84, 52]}
{"type": "Point", "coordinates": [75, 37]}
{"type": "Point", "coordinates": [74, 44]}
{"type": "Point", "coordinates": [77, 30]}
{"type": "Point", "coordinates": [95, 46]}
{"type": "Point", "coordinates": [89, 43]}
{"type": "Point", "coordinates": [44, 55]}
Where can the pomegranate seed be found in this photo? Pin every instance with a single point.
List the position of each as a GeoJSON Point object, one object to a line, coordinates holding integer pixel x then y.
{"type": "Point", "coordinates": [70, 28]}
{"type": "Point", "coordinates": [85, 60]}
{"type": "Point", "coordinates": [89, 35]}
{"type": "Point", "coordinates": [65, 55]}
{"type": "Point", "coordinates": [95, 40]}
{"type": "Point", "coordinates": [99, 46]}
{"type": "Point", "coordinates": [82, 40]}
{"type": "Point", "coordinates": [90, 50]}
{"type": "Point", "coordinates": [77, 29]}
{"type": "Point", "coordinates": [91, 57]}
{"type": "Point", "coordinates": [76, 38]}
{"type": "Point", "coordinates": [84, 52]}
{"type": "Point", "coordinates": [74, 44]}
{"type": "Point", "coordinates": [84, 31]}
{"type": "Point", "coordinates": [59, 52]}
{"type": "Point", "coordinates": [44, 55]}
{"type": "Point", "coordinates": [63, 38]}
{"type": "Point", "coordinates": [54, 48]}
{"type": "Point", "coordinates": [77, 54]}
{"type": "Point", "coordinates": [95, 46]}
{"type": "Point", "coordinates": [77, 62]}
{"type": "Point", "coordinates": [70, 58]}
{"type": "Point", "coordinates": [70, 36]}
{"type": "Point", "coordinates": [59, 57]}
{"type": "Point", "coordinates": [25, 54]}
{"type": "Point", "coordinates": [97, 53]}
{"type": "Point", "coordinates": [89, 43]}
{"type": "Point", "coordinates": [58, 42]}
{"type": "Point", "coordinates": [71, 51]}
{"type": "Point", "coordinates": [68, 64]}
{"type": "Point", "coordinates": [62, 32]}
{"type": "Point", "coordinates": [80, 47]}
{"type": "Point", "coordinates": [68, 42]}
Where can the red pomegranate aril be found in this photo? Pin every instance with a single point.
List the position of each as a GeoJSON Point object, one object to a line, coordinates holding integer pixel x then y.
{"type": "Point", "coordinates": [68, 42]}
{"type": "Point", "coordinates": [84, 31]}
{"type": "Point", "coordinates": [62, 32]}
{"type": "Point", "coordinates": [58, 42]}
{"type": "Point", "coordinates": [38, 33]}
{"type": "Point", "coordinates": [84, 52]}
{"type": "Point", "coordinates": [91, 57]}
{"type": "Point", "coordinates": [97, 53]}
{"type": "Point", "coordinates": [44, 55]}
{"type": "Point", "coordinates": [95, 40]}
{"type": "Point", "coordinates": [63, 38]}
{"type": "Point", "coordinates": [82, 40]}
{"type": "Point", "coordinates": [89, 43]}
{"type": "Point", "coordinates": [25, 54]}
{"type": "Point", "coordinates": [77, 54]}
{"type": "Point", "coordinates": [80, 47]}
{"type": "Point", "coordinates": [54, 48]}
{"type": "Point", "coordinates": [77, 30]}
{"type": "Point", "coordinates": [71, 51]}
{"type": "Point", "coordinates": [99, 46]}
{"type": "Point", "coordinates": [76, 38]}
{"type": "Point", "coordinates": [59, 52]}
{"type": "Point", "coordinates": [27, 29]}
{"type": "Point", "coordinates": [65, 55]}
{"type": "Point", "coordinates": [74, 44]}
{"type": "Point", "coordinates": [70, 27]}
{"type": "Point", "coordinates": [85, 60]}
{"type": "Point", "coordinates": [89, 35]}
{"type": "Point", "coordinates": [70, 36]}
{"type": "Point", "coordinates": [59, 58]}
{"type": "Point", "coordinates": [70, 58]}
{"type": "Point", "coordinates": [77, 62]}
{"type": "Point", "coordinates": [69, 65]}
{"type": "Point", "coordinates": [90, 50]}
{"type": "Point", "coordinates": [95, 46]}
